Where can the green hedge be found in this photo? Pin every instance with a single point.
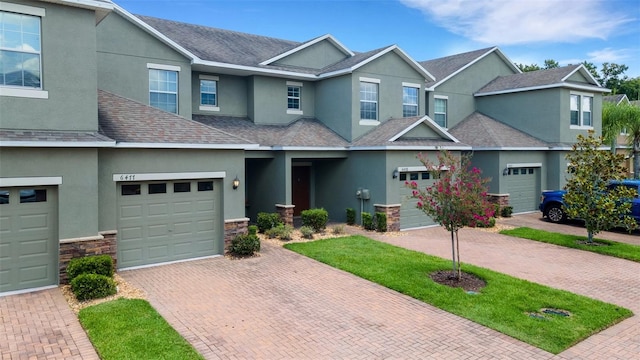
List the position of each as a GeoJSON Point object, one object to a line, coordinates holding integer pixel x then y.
{"type": "Point", "coordinates": [92, 286]}
{"type": "Point", "coordinates": [98, 264]}
{"type": "Point", "coordinates": [315, 218]}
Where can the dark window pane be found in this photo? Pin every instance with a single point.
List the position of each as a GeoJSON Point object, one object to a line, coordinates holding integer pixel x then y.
{"type": "Point", "coordinates": [130, 189]}
{"type": "Point", "coordinates": [158, 188]}
{"type": "Point", "coordinates": [516, 171]}
{"type": "Point", "coordinates": [4, 196]}
{"type": "Point", "coordinates": [205, 185]}
{"type": "Point", "coordinates": [530, 171]}
{"type": "Point", "coordinates": [31, 195]}
{"type": "Point", "coordinates": [425, 176]}
{"type": "Point", "coordinates": [403, 176]}
{"type": "Point", "coordinates": [181, 187]}
{"type": "Point", "coordinates": [414, 176]}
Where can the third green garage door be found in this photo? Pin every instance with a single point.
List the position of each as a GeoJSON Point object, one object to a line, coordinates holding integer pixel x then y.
{"type": "Point", "coordinates": [164, 221]}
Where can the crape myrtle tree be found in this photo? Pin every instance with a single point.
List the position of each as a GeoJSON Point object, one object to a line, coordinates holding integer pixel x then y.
{"type": "Point", "coordinates": [457, 198]}
{"type": "Point", "coordinates": [588, 197]}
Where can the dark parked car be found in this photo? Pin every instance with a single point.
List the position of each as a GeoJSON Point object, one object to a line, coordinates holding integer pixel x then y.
{"type": "Point", "coordinates": [552, 202]}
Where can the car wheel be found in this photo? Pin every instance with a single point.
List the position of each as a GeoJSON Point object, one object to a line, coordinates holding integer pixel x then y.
{"type": "Point", "coordinates": [555, 214]}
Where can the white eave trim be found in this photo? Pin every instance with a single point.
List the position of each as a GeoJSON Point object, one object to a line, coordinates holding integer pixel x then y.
{"type": "Point", "coordinates": [429, 122]}
{"type": "Point", "coordinates": [253, 69]}
{"type": "Point", "coordinates": [308, 44]}
{"type": "Point", "coordinates": [584, 71]}
{"type": "Point", "coordinates": [59, 144]}
{"type": "Point", "coordinates": [31, 181]}
{"type": "Point", "coordinates": [414, 148]}
{"type": "Point", "coordinates": [308, 148]}
{"type": "Point", "coordinates": [592, 88]}
{"type": "Point", "coordinates": [510, 148]}
{"type": "Point", "coordinates": [86, 4]}
{"type": "Point", "coordinates": [169, 176]}
{"type": "Point", "coordinates": [132, 145]}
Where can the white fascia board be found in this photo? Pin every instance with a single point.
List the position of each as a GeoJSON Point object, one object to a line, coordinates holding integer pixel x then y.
{"type": "Point", "coordinates": [308, 148]}
{"type": "Point", "coordinates": [131, 145]}
{"type": "Point", "coordinates": [169, 176]}
{"type": "Point", "coordinates": [584, 72]}
{"type": "Point", "coordinates": [58, 144]}
{"type": "Point", "coordinates": [510, 148]}
{"type": "Point", "coordinates": [88, 4]}
{"type": "Point", "coordinates": [414, 148]}
{"type": "Point", "coordinates": [432, 88]}
{"type": "Point", "coordinates": [542, 87]}
{"type": "Point", "coordinates": [254, 69]}
{"type": "Point", "coordinates": [521, 165]}
{"type": "Point", "coordinates": [432, 124]}
{"type": "Point", "coordinates": [31, 181]}
{"type": "Point", "coordinates": [146, 27]}
{"type": "Point", "coordinates": [414, 64]}
{"type": "Point", "coordinates": [306, 45]}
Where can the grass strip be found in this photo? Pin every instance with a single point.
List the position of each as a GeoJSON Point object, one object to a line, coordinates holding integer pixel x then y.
{"type": "Point", "coordinates": [505, 304]}
{"type": "Point", "coordinates": [604, 247]}
{"type": "Point", "coordinates": [133, 329]}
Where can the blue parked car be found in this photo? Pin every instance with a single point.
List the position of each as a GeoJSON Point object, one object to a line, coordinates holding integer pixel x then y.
{"type": "Point", "coordinates": [552, 202]}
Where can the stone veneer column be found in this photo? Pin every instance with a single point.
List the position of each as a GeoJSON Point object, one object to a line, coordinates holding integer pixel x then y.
{"type": "Point", "coordinates": [105, 243]}
{"type": "Point", "coordinates": [234, 227]}
{"type": "Point", "coordinates": [286, 213]}
{"type": "Point", "coordinates": [501, 199]}
{"type": "Point", "coordinates": [393, 215]}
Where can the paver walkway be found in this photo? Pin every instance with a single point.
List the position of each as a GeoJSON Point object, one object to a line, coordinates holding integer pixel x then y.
{"type": "Point", "coordinates": [40, 325]}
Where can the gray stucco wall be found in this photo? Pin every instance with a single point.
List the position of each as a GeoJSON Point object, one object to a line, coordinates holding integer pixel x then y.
{"type": "Point", "coordinates": [124, 50]}
{"type": "Point", "coordinates": [77, 196]}
{"type": "Point", "coordinates": [68, 74]}
{"type": "Point", "coordinates": [269, 100]}
{"type": "Point", "coordinates": [333, 103]}
{"type": "Point", "coordinates": [460, 89]}
{"type": "Point", "coordinates": [317, 56]}
{"type": "Point", "coordinates": [139, 161]}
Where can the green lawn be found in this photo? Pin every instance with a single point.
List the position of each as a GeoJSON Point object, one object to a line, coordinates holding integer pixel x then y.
{"type": "Point", "coordinates": [604, 247]}
{"type": "Point", "coordinates": [132, 329]}
{"type": "Point", "coordinates": [505, 304]}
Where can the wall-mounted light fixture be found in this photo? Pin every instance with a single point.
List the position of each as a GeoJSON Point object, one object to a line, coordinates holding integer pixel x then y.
{"type": "Point", "coordinates": [505, 172]}
{"type": "Point", "coordinates": [236, 183]}
{"type": "Point", "coordinates": [395, 174]}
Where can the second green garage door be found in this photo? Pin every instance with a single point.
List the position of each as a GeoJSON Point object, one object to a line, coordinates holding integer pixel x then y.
{"type": "Point", "coordinates": [164, 221]}
{"type": "Point", "coordinates": [410, 215]}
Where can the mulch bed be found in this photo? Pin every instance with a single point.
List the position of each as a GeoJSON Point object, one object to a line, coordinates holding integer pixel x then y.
{"type": "Point", "coordinates": [468, 282]}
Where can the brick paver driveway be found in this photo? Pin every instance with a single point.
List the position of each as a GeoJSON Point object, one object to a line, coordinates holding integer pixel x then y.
{"type": "Point", "coordinates": [284, 306]}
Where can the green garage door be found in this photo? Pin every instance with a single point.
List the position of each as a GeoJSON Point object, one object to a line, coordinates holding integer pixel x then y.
{"type": "Point", "coordinates": [410, 216]}
{"type": "Point", "coordinates": [523, 187]}
{"type": "Point", "coordinates": [28, 238]}
{"type": "Point", "coordinates": [166, 221]}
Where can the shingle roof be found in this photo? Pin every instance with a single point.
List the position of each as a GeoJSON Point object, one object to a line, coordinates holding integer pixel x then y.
{"type": "Point", "coordinates": [129, 121]}
{"type": "Point", "coordinates": [304, 132]}
{"type": "Point", "coordinates": [382, 135]}
{"type": "Point", "coordinates": [479, 130]}
{"type": "Point", "coordinates": [71, 137]}
{"type": "Point", "coordinates": [445, 66]}
{"type": "Point", "coordinates": [616, 99]}
{"type": "Point", "coordinates": [529, 79]}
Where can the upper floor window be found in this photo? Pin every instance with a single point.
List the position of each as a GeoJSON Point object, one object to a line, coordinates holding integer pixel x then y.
{"type": "Point", "coordinates": [581, 109]}
{"type": "Point", "coordinates": [208, 92]}
{"type": "Point", "coordinates": [368, 101]}
{"type": "Point", "coordinates": [294, 97]}
{"type": "Point", "coordinates": [163, 87]}
{"type": "Point", "coordinates": [440, 111]}
{"type": "Point", "coordinates": [20, 48]}
{"type": "Point", "coordinates": [409, 101]}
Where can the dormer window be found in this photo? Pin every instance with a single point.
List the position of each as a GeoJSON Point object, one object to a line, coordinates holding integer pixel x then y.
{"type": "Point", "coordinates": [581, 110]}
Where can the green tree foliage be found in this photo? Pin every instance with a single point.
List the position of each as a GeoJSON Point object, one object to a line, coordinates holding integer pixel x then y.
{"type": "Point", "coordinates": [593, 70]}
{"type": "Point", "coordinates": [458, 197]}
{"type": "Point", "coordinates": [550, 64]}
{"type": "Point", "coordinates": [613, 76]}
{"type": "Point", "coordinates": [587, 197]}
{"type": "Point", "coordinates": [619, 118]}
{"type": "Point", "coordinates": [631, 87]}
{"type": "Point", "coordinates": [527, 68]}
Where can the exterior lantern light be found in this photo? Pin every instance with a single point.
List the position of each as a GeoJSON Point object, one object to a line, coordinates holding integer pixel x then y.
{"type": "Point", "coordinates": [236, 183]}
{"type": "Point", "coordinates": [395, 174]}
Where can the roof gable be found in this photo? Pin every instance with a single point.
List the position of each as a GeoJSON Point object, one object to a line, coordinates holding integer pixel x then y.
{"type": "Point", "coordinates": [323, 51]}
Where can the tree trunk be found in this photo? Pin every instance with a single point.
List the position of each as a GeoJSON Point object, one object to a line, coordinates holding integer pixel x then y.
{"type": "Point", "coordinates": [589, 237]}
{"type": "Point", "coordinates": [458, 254]}
{"type": "Point", "coordinates": [636, 160]}
{"type": "Point", "coordinates": [453, 252]}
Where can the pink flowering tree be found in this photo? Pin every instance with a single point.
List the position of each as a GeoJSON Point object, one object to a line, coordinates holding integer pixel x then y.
{"type": "Point", "coordinates": [457, 198]}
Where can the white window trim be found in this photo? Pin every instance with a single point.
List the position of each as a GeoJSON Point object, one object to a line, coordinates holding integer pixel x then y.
{"type": "Point", "coordinates": [369, 80]}
{"type": "Point", "coordinates": [209, 107]}
{"type": "Point", "coordinates": [31, 181]}
{"type": "Point", "coordinates": [413, 85]}
{"type": "Point", "coordinates": [163, 67]}
{"type": "Point", "coordinates": [371, 122]}
{"type": "Point", "coordinates": [294, 83]}
{"type": "Point", "coordinates": [417, 104]}
{"type": "Point", "coordinates": [581, 94]}
{"type": "Point", "coordinates": [24, 9]}
{"type": "Point", "coordinates": [24, 93]}
{"type": "Point", "coordinates": [446, 113]}
{"type": "Point", "coordinates": [295, 111]}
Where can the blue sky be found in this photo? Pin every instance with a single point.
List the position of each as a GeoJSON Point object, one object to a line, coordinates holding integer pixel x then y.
{"type": "Point", "coordinates": [527, 31]}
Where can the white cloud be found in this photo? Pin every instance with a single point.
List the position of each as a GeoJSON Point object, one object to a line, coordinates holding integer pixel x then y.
{"type": "Point", "coordinates": [609, 55]}
{"type": "Point", "coordinates": [507, 22]}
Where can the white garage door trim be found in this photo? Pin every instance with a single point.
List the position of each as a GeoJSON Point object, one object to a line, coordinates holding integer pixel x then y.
{"type": "Point", "coordinates": [169, 176]}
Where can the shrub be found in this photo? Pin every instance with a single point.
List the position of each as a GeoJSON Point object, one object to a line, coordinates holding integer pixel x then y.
{"type": "Point", "coordinates": [492, 223]}
{"type": "Point", "coordinates": [97, 264]}
{"type": "Point", "coordinates": [315, 218]}
{"type": "Point", "coordinates": [351, 216]}
{"type": "Point", "coordinates": [496, 210]}
{"type": "Point", "coordinates": [268, 221]}
{"type": "Point", "coordinates": [307, 232]}
{"type": "Point", "coordinates": [367, 221]}
{"type": "Point", "coordinates": [253, 230]}
{"type": "Point", "coordinates": [282, 232]}
{"type": "Point", "coordinates": [506, 211]}
{"type": "Point", "coordinates": [381, 221]}
{"type": "Point", "coordinates": [338, 229]}
{"type": "Point", "coordinates": [244, 244]}
{"type": "Point", "coordinates": [92, 286]}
